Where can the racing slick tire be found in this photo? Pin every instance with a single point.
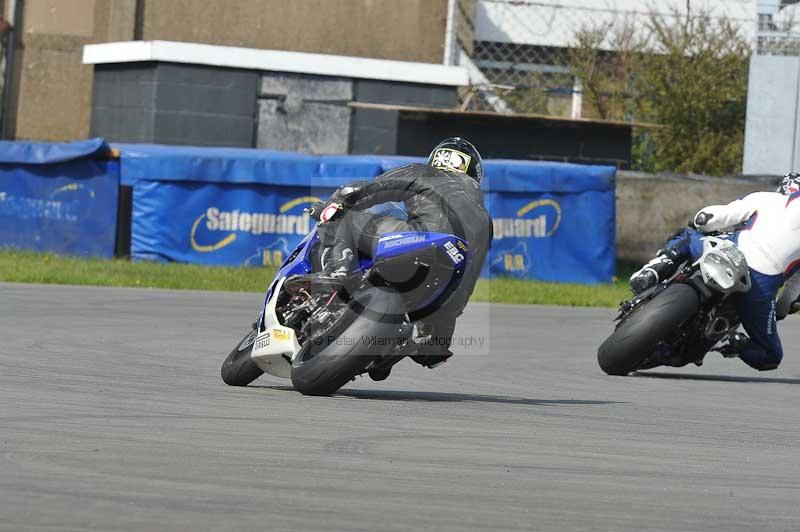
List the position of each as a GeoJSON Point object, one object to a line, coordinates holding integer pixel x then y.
{"type": "Point", "coordinates": [370, 327]}
{"type": "Point", "coordinates": [640, 332]}
{"type": "Point", "coordinates": [239, 369]}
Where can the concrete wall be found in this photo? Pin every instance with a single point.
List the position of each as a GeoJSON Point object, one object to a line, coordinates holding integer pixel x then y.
{"type": "Point", "coordinates": [51, 88]}
{"type": "Point", "coordinates": [650, 208]}
{"type": "Point", "coordinates": [178, 103]}
{"type": "Point", "coordinates": [167, 103]}
{"type": "Point", "coordinates": [408, 30]}
{"type": "Point", "coordinates": [375, 131]}
{"type": "Point", "coordinates": [772, 128]}
{"type": "Point", "coordinates": [300, 112]}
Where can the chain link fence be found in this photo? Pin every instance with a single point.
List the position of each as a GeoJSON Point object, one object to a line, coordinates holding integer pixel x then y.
{"type": "Point", "coordinates": [778, 27]}
{"type": "Point", "coordinates": [518, 51]}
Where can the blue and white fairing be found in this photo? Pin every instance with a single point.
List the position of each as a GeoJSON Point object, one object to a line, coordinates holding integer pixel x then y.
{"type": "Point", "coordinates": [393, 244]}
{"type": "Point", "coordinates": [450, 251]}
{"type": "Point", "coordinates": [276, 345]}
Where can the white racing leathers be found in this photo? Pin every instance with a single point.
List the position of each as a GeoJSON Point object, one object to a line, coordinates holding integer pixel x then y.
{"type": "Point", "coordinates": [771, 238]}
{"type": "Point", "coordinates": [770, 241]}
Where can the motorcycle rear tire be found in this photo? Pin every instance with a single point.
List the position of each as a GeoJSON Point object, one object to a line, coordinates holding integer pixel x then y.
{"type": "Point", "coordinates": [637, 337]}
{"type": "Point", "coordinates": [239, 369]}
{"type": "Point", "coordinates": [369, 328]}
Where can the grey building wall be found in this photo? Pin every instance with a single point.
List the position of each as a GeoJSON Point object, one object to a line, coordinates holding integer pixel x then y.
{"type": "Point", "coordinates": [309, 114]}
{"type": "Point", "coordinates": [166, 103]}
{"type": "Point", "coordinates": [305, 113]}
{"type": "Point", "coordinates": [124, 102]}
{"type": "Point", "coordinates": [772, 137]}
{"type": "Point", "coordinates": [403, 93]}
{"type": "Point", "coordinates": [170, 103]}
{"type": "Point", "coordinates": [376, 132]}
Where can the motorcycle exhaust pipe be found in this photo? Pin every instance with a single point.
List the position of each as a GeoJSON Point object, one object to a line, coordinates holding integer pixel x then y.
{"type": "Point", "coordinates": [717, 328]}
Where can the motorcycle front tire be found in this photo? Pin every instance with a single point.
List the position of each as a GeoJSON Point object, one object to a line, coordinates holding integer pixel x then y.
{"type": "Point", "coordinates": [239, 369]}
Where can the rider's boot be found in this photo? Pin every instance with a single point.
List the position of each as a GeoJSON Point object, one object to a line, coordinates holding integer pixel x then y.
{"type": "Point", "coordinates": [663, 266]}
{"type": "Point", "coordinates": [337, 263]}
{"type": "Point", "coordinates": [732, 345]}
{"type": "Point", "coordinates": [430, 356]}
{"type": "Point", "coordinates": [789, 301]}
{"type": "Point", "coordinates": [379, 374]}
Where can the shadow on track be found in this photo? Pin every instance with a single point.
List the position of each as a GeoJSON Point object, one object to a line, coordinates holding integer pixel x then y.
{"type": "Point", "coordinates": [718, 378]}
{"type": "Point", "coordinates": [402, 395]}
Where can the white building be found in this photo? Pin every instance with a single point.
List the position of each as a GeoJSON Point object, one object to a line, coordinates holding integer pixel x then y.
{"type": "Point", "coordinates": [555, 22]}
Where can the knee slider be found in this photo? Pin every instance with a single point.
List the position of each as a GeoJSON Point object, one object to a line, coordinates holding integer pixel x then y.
{"type": "Point", "coordinates": [771, 361]}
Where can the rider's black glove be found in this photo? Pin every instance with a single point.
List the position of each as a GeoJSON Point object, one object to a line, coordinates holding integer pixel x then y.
{"type": "Point", "coordinates": [347, 195]}
{"type": "Point", "coordinates": [700, 219]}
{"type": "Point", "coordinates": [315, 210]}
{"type": "Point", "coordinates": [324, 212]}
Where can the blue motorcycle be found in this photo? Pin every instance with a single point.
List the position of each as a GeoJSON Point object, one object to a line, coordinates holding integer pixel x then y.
{"type": "Point", "coordinates": [322, 337]}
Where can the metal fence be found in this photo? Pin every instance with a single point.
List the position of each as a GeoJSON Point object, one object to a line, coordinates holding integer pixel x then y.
{"type": "Point", "coordinates": [778, 27]}
{"type": "Point", "coordinates": [518, 51]}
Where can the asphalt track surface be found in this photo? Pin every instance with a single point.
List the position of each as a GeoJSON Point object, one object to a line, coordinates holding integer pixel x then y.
{"type": "Point", "coordinates": [113, 417]}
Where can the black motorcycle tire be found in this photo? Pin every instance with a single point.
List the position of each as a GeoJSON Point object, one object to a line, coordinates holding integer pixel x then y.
{"type": "Point", "coordinates": [239, 369]}
{"type": "Point", "coordinates": [329, 362]}
{"type": "Point", "coordinates": [637, 337]}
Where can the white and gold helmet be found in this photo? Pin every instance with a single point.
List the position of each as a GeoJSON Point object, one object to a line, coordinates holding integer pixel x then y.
{"type": "Point", "coordinates": [457, 155]}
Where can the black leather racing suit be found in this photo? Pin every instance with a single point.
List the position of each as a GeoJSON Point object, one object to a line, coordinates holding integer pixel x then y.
{"type": "Point", "coordinates": [435, 200]}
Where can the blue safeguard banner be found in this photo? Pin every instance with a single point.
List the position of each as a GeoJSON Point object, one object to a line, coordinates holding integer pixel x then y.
{"type": "Point", "coordinates": [552, 221]}
{"type": "Point", "coordinates": [230, 206]}
{"type": "Point", "coordinates": [58, 198]}
{"type": "Point", "coordinates": [554, 237]}
{"type": "Point", "coordinates": [219, 223]}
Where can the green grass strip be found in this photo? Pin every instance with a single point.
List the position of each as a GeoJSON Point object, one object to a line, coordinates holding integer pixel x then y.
{"type": "Point", "coordinates": [517, 291]}
{"type": "Point", "coordinates": [28, 267]}
{"type": "Point", "coordinates": [47, 268]}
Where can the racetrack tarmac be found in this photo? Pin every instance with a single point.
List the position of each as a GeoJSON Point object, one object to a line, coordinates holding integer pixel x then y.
{"type": "Point", "coordinates": [113, 417]}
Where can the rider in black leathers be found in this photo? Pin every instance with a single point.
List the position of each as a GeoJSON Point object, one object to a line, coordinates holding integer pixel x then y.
{"type": "Point", "coordinates": [441, 196]}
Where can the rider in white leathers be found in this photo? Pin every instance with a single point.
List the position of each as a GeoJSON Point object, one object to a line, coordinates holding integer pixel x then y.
{"type": "Point", "coordinates": [770, 241]}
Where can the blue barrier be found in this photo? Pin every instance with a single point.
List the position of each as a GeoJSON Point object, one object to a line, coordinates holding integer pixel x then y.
{"type": "Point", "coordinates": [58, 197]}
{"type": "Point", "coordinates": [552, 221]}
